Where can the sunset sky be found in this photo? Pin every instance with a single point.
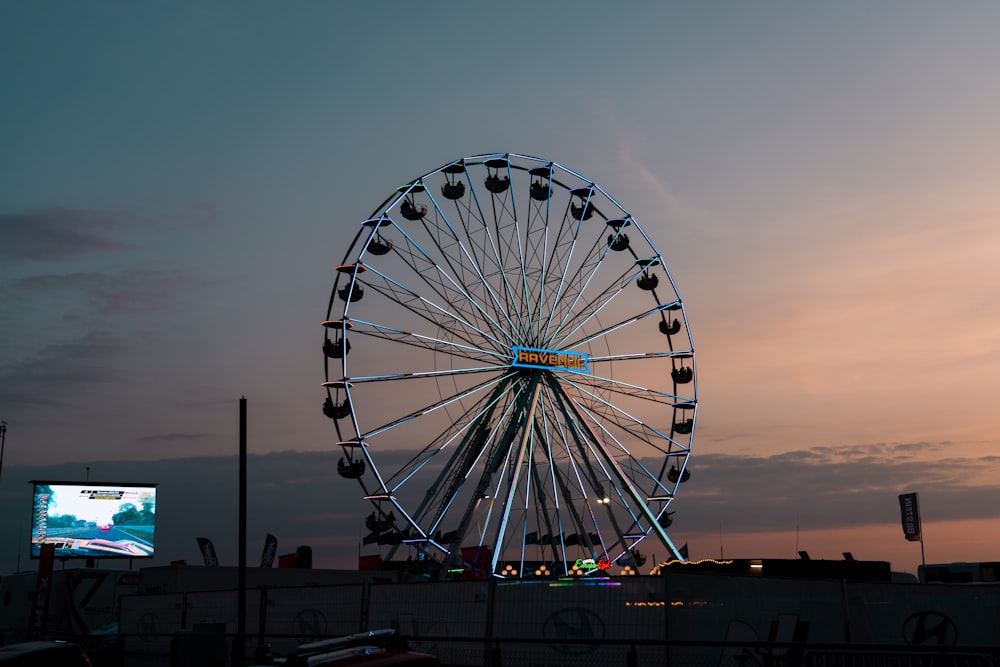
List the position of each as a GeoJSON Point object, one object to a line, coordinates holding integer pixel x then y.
{"type": "Point", "coordinates": [178, 180]}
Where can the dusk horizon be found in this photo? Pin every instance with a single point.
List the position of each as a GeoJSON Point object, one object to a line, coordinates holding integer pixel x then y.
{"type": "Point", "coordinates": [179, 183]}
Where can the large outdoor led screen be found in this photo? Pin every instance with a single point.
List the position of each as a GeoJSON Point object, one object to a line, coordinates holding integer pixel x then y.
{"type": "Point", "coordinates": [94, 520]}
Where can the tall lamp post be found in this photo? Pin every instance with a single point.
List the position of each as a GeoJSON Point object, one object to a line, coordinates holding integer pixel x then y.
{"type": "Point", "coordinates": [3, 440]}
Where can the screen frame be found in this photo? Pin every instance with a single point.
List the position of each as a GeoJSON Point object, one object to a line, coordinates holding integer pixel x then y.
{"type": "Point", "coordinates": [146, 551]}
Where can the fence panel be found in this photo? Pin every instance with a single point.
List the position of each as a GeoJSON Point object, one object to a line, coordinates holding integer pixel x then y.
{"type": "Point", "coordinates": [147, 624]}
{"type": "Point", "coordinates": [302, 614]}
{"type": "Point", "coordinates": [443, 609]}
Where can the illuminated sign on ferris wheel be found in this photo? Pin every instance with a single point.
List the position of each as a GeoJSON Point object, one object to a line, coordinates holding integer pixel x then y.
{"type": "Point", "coordinates": [530, 357]}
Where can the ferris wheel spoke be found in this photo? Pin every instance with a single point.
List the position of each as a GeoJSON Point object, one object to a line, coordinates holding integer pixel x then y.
{"type": "Point", "coordinates": [606, 331]}
{"type": "Point", "coordinates": [595, 487]}
{"type": "Point", "coordinates": [438, 443]}
{"type": "Point", "coordinates": [359, 379]}
{"type": "Point", "coordinates": [450, 348]}
{"type": "Point", "coordinates": [444, 287]}
{"type": "Point", "coordinates": [533, 242]}
{"type": "Point", "coordinates": [451, 325]}
{"type": "Point", "coordinates": [575, 279]}
{"type": "Point", "coordinates": [614, 394]}
{"type": "Point", "coordinates": [518, 326]}
{"type": "Point", "coordinates": [569, 437]}
{"type": "Point", "coordinates": [518, 468]}
{"type": "Point", "coordinates": [495, 443]}
{"type": "Point", "coordinates": [464, 263]}
{"type": "Point", "coordinates": [519, 268]}
{"type": "Point", "coordinates": [602, 422]}
{"type": "Point", "coordinates": [564, 313]}
{"type": "Point", "coordinates": [437, 405]}
{"type": "Point", "coordinates": [547, 260]}
{"type": "Point", "coordinates": [597, 263]}
{"type": "Point", "coordinates": [586, 446]}
{"type": "Point", "coordinates": [434, 507]}
{"type": "Point", "coordinates": [477, 254]}
{"type": "Point", "coordinates": [645, 434]}
{"type": "Point", "coordinates": [468, 447]}
{"type": "Point", "coordinates": [522, 295]}
{"type": "Point", "coordinates": [571, 314]}
{"type": "Point", "coordinates": [483, 444]}
{"type": "Point", "coordinates": [488, 247]}
{"type": "Point", "coordinates": [634, 390]}
{"type": "Point", "coordinates": [626, 484]}
{"type": "Point", "coordinates": [545, 520]}
{"type": "Point", "coordinates": [590, 312]}
{"type": "Point", "coordinates": [520, 247]}
{"type": "Point", "coordinates": [477, 214]}
{"type": "Point", "coordinates": [395, 290]}
{"type": "Point", "coordinates": [544, 517]}
{"type": "Point", "coordinates": [576, 508]}
{"type": "Point", "coordinates": [547, 256]}
{"type": "Point", "coordinates": [638, 356]}
{"type": "Point", "coordinates": [446, 439]}
{"type": "Point", "coordinates": [557, 269]}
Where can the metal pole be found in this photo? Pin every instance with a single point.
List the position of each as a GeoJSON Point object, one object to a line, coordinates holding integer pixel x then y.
{"type": "Point", "coordinates": [492, 657]}
{"type": "Point", "coordinates": [3, 440]}
{"type": "Point", "coordinates": [920, 527]}
{"type": "Point", "coordinates": [241, 597]}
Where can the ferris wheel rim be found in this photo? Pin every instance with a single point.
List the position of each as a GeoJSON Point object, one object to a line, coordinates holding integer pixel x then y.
{"type": "Point", "coordinates": [485, 332]}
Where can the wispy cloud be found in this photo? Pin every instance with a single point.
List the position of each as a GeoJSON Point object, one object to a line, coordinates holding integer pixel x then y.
{"type": "Point", "coordinates": [175, 437]}
{"type": "Point", "coordinates": [57, 371]}
{"type": "Point", "coordinates": [59, 309]}
{"type": "Point", "coordinates": [109, 293]}
{"type": "Point", "coordinates": [59, 234]}
{"type": "Point", "coordinates": [835, 487]}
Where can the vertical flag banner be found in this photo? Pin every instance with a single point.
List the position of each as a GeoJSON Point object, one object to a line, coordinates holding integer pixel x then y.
{"type": "Point", "coordinates": [909, 509]}
{"type": "Point", "coordinates": [208, 551]}
{"type": "Point", "coordinates": [270, 549]}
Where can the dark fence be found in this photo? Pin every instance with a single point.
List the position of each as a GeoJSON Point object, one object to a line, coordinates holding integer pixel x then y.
{"type": "Point", "coordinates": [201, 649]}
{"type": "Point", "coordinates": [682, 619]}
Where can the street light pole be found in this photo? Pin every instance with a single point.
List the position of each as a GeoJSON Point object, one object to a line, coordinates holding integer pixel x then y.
{"type": "Point", "coordinates": [3, 440]}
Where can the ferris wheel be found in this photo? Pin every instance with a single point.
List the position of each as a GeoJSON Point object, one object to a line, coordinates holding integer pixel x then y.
{"type": "Point", "coordinates": [510, 372]}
